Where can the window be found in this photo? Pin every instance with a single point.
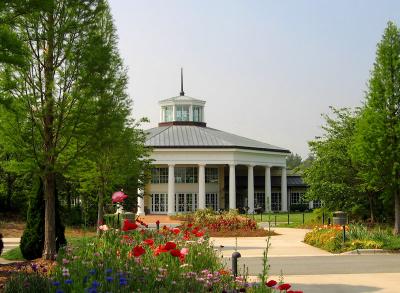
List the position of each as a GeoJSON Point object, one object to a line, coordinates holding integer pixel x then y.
{"type": "Point", "coordinates": [211, 175]}
{"type": "Point", "coordinates": [259, 200]}
{"type": "Point", "coordinates": [182, 113]}
{"type": "Point", "coordinates": [276, 201]}
{"type": "Point", "coordinates": [212, 201]}
{"type": "Point", "coordinates": [159, 175]}
{"type": "Point", "coordinates": [316, 204]}
{"type": "Point", "coordinates": [186, 175]}
{"type": "Point", "coordinates": [296, 197]}
{"type": "Point", "coordinates": [168, 113]}
{"type": "Point", "coordinates": [159, 203]}
{"type": "Point", "coordinates": [197, 114]}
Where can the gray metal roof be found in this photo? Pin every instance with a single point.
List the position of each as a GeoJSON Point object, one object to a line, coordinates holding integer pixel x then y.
{"type": "Point", "coordinates": [191, 136]}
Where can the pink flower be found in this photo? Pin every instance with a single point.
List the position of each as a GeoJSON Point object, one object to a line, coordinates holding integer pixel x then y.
{"type": "Point", "coordinates": [184, 251]}
{"type": "Point", "coordinates": [118, 196]}
{"type": "Point", "coordinates": [103, 228]}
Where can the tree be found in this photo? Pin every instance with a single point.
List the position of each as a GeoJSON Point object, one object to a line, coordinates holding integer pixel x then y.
{"type": "Point", "coordinates": [50, 102]}
{"type": "Point", "coordinates": [293, 161]}
{"type": "Point", "coordinates": [377, 134]}
{"type": "Point", "coordinates": [331, 175]}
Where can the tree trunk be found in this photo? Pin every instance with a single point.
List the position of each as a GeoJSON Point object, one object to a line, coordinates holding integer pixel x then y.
{"type": "Point", "coordinates": [49, 177]}
{"type": "Point", "coordinates": [396, 230]}
{"type": "Point", "coordinates": [371, 207]}
{"type": "Point", "coordinates": [100, 210]}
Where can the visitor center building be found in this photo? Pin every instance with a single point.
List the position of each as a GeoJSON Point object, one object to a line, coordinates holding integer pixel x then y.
{"type": "Point", "coordinates": [198, 167]}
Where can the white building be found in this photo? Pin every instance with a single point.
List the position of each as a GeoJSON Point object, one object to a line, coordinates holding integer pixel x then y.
{"type": "Point", "coordinates": [197, 167]}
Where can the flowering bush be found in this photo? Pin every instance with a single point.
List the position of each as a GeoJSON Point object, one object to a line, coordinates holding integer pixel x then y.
{"type": "Point", "coordinates": [357, 237]}
{"type": "Point", "coordinates": [225, 224]}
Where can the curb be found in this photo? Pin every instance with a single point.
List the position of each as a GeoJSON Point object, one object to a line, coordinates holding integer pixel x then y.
{"type": "Point", "coordinates": [370, 251]}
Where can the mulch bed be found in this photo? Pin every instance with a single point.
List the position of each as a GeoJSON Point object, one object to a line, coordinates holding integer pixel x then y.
{"type": "Point", "coordinates": [7, 270]}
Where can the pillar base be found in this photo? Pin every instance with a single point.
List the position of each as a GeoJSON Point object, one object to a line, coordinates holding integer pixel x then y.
{"type": "Point", "coordinates": [140, 213]}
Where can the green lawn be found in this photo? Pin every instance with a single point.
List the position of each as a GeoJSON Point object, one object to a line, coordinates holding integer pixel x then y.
{"type": "Point", "coordinates": [295, 219]}
{"type": "Point", "coordinates": [13, 254]}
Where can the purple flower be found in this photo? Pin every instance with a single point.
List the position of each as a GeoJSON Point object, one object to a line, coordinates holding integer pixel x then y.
{"type": "Point", "coordinates": [59, 291]}
{"type": "Point", "coordinates": [108, 271]}
{"type": "Point", "coordinates": [92, 272]}
{"type": "Point", "coordinates": [56, 283]}
{"type": "Point", "coordinates": [123, 281]}
{"type": "Point", "coordinates": [109, 279]}
{"type": "Point", "coordinates": [68, 282]}
{"type": "Point", "coordinates": [95, 284]}
{"type": "Point", "coordinates": [34, 267]}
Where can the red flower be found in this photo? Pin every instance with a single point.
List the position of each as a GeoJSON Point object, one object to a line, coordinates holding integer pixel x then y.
{"type": "Point", "coordinates": [176, 231]}
{"type": "Point", "coordinates": [138, 250]}
{"type": "Point", "coordinates": [157, 222]}
{"type": "Point", "coordinates": [159, 249]}
{"type": "Point", "coordinates": [186, 237]}
{"type": "Point", "coordinates": [175, 252]}
{"type": "Point", "coordinates": [199, 234]}
{"type": "Point", "coordinates": [271, 283]}
{"type": "Point", "coordinates": [149, 241]}
{"type": "Point", "coordinates": [190, 225]}
{"type": "Point", "coordinates": [128, 225]}
{"type": "Point", "coordinates": [284, 287]}
{"type": "Point", "coordinates": [169, 245]}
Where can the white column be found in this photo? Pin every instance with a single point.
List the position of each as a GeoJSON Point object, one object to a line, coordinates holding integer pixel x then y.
{"type": "Point", "coordinates": [202, 187]}
{"type": "Point", "coordinates": [173, 113]}
{"type": "Point", "coordinates": [171, 189]}
{"type": "Point", "coordinates": [250, 188]}
{"type": "Point", "coordinates": [284, 206]}
{"type": "Point", "coordinates": [267, 193]}
{"type": "Point", "coordinates": [140, 202]}
{"type": "Point", "coordinates": [191, 113]}
{"type": "Point", "coordinates": [232, 187]}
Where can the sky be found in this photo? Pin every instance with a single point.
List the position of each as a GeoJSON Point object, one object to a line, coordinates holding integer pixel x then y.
{"type": "Point", "coordinates": [266, 69]}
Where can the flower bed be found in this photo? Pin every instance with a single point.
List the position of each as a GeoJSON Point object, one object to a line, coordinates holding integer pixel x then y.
{"type": "Point", "coordinates": [140, 260]}
{"type": "Point", "coordinates": [225, 224]}
{"type": "Point", "coordinates": [330, 238]}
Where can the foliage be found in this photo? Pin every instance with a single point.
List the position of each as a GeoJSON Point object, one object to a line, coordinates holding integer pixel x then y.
{"type": "Point", "coordinates": [377, 135]}
{"type": "Point", "coordinates": [293, 161]}
{"type": "Point", "coordinates": [330, 238]}
{"type": "Point", "coordinates": [27, 283]}
{"type": "Point", "coordinates": [32, 241]}
{"type": "Point", "coordinates": [331, 176]}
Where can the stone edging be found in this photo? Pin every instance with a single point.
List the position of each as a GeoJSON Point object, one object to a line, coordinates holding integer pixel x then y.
{"type": "Point", "coordinates": [370, 251]}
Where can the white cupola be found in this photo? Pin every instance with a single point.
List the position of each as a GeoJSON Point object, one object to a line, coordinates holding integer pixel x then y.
{"type": "Point", "coordinates": [182, 109]}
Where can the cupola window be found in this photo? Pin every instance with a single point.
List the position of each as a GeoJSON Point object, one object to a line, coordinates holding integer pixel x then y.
{"type": "Point", "coordinates": [197, 114]}
{"type": "Point", "coordinates": [182, 113]}
{"type": "Point", "coordinates": [168, 113]}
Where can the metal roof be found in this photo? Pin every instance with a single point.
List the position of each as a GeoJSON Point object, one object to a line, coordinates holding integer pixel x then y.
{"type": "Point", "coordinates": [181, 99]}
{"type": "Point", "coordinates": [191, 136]}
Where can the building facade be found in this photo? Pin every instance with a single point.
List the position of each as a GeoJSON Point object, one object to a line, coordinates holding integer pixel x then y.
{"type": "Point", "coordinates": [197, 167]}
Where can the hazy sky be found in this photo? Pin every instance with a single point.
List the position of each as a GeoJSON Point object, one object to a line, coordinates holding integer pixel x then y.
{"type": "Point", "coordinates": [267, 69]}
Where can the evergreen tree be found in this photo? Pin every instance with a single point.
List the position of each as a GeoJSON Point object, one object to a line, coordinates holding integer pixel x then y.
{"type": "Point", "coordinates": [377, 138]}
{"type": "Point", "coordinates": [32, 240]}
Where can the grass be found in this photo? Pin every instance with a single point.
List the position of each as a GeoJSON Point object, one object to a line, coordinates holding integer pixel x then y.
{"type": "Point", "coordinates": [295, 219]}
{"type": "Point", "coordinates": [13, 254]}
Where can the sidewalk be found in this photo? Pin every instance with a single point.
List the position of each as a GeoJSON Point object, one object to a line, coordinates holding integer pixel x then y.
{"type": "Point", "coordinates": [342, 283]}
{"type": "Point", "coordinates": [288, 243]}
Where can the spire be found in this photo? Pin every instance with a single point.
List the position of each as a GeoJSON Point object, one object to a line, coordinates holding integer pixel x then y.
{"type": "Point", "coordinates": [182, 92]}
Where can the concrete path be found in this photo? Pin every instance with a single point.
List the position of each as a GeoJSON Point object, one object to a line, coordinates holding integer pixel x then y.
{"type": "Point", "coordinates": [288, 243]}
{"type": "Point", "coordinates": [9, 243]}
{"type": "Point", "coordinates": [313, 270]}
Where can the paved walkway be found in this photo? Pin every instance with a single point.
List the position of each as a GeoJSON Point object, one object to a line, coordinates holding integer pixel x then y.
{"type": "Point", "coordinates": [9, 243]}
{"type": "Point", "coordinates": [313, 270]}
{"type": "Point", "coordinates": [288, 243]}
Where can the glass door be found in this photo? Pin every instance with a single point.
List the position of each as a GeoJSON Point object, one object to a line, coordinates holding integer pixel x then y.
{"type": "Point", "coordinates": [212, 201]}
{"type": "Point", "coordinates": [159, 203]}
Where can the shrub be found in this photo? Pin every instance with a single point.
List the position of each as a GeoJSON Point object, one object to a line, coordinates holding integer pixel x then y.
{"type": "Point", "coordinates": [32, 240]}
{"type": "Point", "coordinates": [299, 207]}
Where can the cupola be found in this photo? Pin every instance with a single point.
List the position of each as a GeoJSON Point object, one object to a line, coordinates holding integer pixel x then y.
{"type": "Point", "coordinates": [182, 110]}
